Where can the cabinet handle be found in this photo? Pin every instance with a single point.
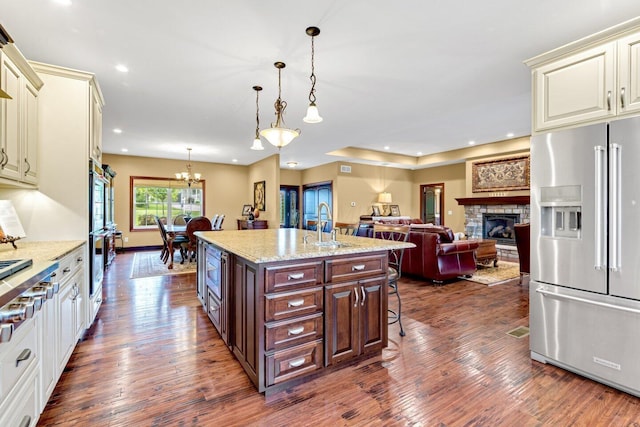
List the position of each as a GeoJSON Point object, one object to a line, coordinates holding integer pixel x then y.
{"type": "Point", "coordinates": [296, 363]}
{"type": "Point", "coordinates": [295, 302]}
{"type": "Point", "coordinates": [364, 295]}
{"type": "Point", "coordinates": [295, 276]}
{"type": "Point", "coordinates": [99, 301]}
{"type": "Point", "coordinates": [26, 421]}
{"type": "Point", "coordinates": [28, 167]}
{"type": "Point", "coordinates": [609, 100]}
{"type": "Point", "coordinates": [295, 331]}
{"type": "Point", "coordinates": [66, 269]}
{"type": "Point", "coordinates": [357, 298]}
{"type": "Point", "coordinates": [358, 267]}
{"type": "Point", "coordinates": [622, 97]}
{"type": "Point", "coordinates": [24, 355]}
{"type": "Point", "coordinates": [79, 259]}
{"type": "Point", "coordinates": [4, 159]}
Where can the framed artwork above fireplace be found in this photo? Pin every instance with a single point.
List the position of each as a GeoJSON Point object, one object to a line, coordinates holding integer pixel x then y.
{"type": "Point", "coordinates": [499, 175]}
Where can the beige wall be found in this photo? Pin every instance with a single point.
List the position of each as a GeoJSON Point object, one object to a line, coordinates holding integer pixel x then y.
{"type": "Point", "coordinates": [453, 177]}
{"type": "Point", "coordinates": [229, 187]}
{"type": "Point", "coordinates": [222, 183]}
{"type": "Point", "coordinates": [267, 170]}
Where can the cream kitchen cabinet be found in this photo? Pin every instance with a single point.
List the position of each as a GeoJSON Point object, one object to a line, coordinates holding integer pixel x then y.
{"type": "Point", "coordinates": [18, 118]}
{"type": "Point", "coordinates": [95, 140]}
{"type": "Point", "coordinates": [593, 80]}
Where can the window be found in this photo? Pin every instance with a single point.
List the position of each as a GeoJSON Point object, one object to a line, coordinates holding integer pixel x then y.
{"type": "Point", "coordinates": [165, 198]}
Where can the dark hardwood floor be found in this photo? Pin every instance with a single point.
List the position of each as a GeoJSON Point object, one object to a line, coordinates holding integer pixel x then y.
{"type": "Point", "coordinates": [152, 358]}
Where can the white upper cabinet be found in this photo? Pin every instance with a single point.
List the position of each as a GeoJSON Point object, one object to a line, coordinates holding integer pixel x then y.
{"type": "Point", "coordinates": [19, 136]}
{"type": "Point", "coordinates": [629, 73]}
{"type": "Point", "coordinates": [592, 80]}
{"type": "Point", "coordinates": [575, 89]}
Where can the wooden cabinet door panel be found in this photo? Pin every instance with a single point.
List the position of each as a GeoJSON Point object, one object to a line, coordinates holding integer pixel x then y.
{"type": "Point", "coordinates": [341, 322]}
{"type": "Point", "coordinates": [373, 314]}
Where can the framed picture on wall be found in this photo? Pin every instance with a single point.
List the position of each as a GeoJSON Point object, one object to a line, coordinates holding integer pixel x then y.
{"type": "Point", "coordinates": [246, 210]}
{"type": "Point", "coordinates": [395, 210]}
{"type": "Point", "coordinates": [258, 195]}
{"type": "Point", "coordinates": [375, 210]}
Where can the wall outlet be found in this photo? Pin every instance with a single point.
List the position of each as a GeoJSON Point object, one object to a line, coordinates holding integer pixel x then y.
{"type": "Point", "coordinates": [450, 212]}
{"type": "Point", "coordinates": [126, 240]}
{"type": "Point", "coordinates": [353, 204]}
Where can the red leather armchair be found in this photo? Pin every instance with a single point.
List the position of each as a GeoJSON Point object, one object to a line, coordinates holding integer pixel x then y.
{"type": "Point", "coordinates": [437, 257]}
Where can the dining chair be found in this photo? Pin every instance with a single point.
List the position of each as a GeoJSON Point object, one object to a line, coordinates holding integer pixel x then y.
{"type": "Point", "coordinates": [218, 224]}
{"type": "Point", "coordinates": [214, 221]}
{"type": "Point", "coordinates": [181, 219]}
{"type": "Point", "coordinates": [178, 241]}
{"type": "Point", "coordinates": [346, 228]}
{"type": "Point", "coordinates": [199, 223]}
{"type": "Point", "coordinates": [398, 233]}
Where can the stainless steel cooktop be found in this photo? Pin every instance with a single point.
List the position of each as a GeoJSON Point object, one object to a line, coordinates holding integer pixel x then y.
{"type": "Point", "coordinates": [9, 267]}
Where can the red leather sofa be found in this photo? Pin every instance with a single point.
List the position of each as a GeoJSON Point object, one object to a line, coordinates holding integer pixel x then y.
{"type": "Point", "coordinates": [437, 256]}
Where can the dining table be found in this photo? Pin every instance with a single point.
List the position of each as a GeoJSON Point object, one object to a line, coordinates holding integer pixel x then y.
{"type": "Point", "coordinates": [173, 230]}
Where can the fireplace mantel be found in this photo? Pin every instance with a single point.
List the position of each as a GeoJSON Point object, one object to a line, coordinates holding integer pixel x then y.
{"type": "Point", "coordinates": [500, 200]}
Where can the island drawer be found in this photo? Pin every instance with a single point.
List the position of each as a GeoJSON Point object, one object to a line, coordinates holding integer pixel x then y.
{"type": "Point", "coordinates": [355, 268]}
{"type": "Point", "coordinates": [279, 335]}
{"type": "Point", "coordinates": [286, 305]}
{"type": "Point", "coordinates": [293, 362]}
{"type": "Point", "coordinates": [284, 278]}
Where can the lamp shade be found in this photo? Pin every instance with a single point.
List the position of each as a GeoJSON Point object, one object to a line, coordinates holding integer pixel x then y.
{"type": "Point", "coordinates": [313, 116]}
{"type": "Point", "coordinates": [278, 136]}
{"type": "Point", "coordinates": [384, 197]}
{"type": "Point", "coordinates": [257, 144]}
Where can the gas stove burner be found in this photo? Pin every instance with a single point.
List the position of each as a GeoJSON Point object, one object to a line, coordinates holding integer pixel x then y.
{"type": "Point", "coordinates": [12, 266]}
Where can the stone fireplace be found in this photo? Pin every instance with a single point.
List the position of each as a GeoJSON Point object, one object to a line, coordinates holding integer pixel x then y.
{"type": "Point", "coordinates": [502, 211]}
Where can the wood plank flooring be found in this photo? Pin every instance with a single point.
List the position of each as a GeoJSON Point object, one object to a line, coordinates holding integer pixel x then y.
{"type": "Point", "coordinates": [152, 358]}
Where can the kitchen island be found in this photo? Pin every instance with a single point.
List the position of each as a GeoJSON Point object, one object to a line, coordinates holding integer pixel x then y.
{"type": "Point", "coordinates": [289, 308]}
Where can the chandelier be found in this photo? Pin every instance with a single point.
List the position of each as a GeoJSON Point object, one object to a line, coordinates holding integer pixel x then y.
{"type": "Point", "coordinates": [188, 176]}
{"type": "Point", "coordinates": [277, 134]}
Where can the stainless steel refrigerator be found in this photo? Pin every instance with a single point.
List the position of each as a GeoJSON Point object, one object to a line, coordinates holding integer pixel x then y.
{"type": "Point", "coordinates": [585, 252]}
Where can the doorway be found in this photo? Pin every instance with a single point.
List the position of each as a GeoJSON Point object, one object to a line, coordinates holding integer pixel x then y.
{"type": "Point", "coordinates": [289, 206]}
{"type": "Point", "coordinates": [432, 203]}
{"type": "Point", "coordinates": [313, 195]}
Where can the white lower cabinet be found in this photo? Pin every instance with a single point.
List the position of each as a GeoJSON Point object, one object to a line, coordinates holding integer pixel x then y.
{"type": "Point", "coordinates": [48, 360]}
{"type": "Point", "coordinates": [69, 315]}
{"type": "Point", "coordinates": [19, 376]}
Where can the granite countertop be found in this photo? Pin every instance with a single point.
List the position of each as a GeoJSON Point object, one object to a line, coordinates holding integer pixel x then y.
{"type": "Point", "coordinates": [44, 256]}
{"type": "Point", "coordinates": [282, 244]}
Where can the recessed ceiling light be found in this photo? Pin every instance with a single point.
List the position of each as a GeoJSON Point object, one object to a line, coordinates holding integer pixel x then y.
{"type": "Point", "coordinates": [510, 135]}
{"type": "Point", "coordinates": [419, 153]}
{"type": "Point", "coordinates": [122, 68]}
{"type": "Point", "coordinates": [117, 130]}
{"type": "Point", "coordinates": [386, 147]}
{"type": "Point", "coordinates": [63, 2]}
{"type": "Point", "coordinates": [292, 164]}
{"type": "Point", "coordinates": [124, 150]}
{"type": "Point", "coordinates": [472, 143]}
{"type": "Point", "coordinates": [234, 160]}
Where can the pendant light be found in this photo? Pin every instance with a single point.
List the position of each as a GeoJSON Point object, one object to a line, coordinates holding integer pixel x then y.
{"type": "Point", "coordinates": [313, 116]}
{"type": "Point", "coordinates": [257, 143]}
{"type": "Point", "coordinates": [277, 134]}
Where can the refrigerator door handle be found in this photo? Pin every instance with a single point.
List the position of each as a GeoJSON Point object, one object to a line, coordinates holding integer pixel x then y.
{"type": "Point", "coordinates": [615, 156]}
{"type": "Point", "coordinates": [546, 293]}
{"type": "Point", "coordinates": [599, 219]}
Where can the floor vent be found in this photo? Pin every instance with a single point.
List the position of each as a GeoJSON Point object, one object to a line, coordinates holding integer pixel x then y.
{"type": "Point", "coordinates": [519, 332]}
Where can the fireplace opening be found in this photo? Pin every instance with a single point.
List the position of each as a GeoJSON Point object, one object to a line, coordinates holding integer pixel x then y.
{"type": "Point", "coordinates": [499, 226]}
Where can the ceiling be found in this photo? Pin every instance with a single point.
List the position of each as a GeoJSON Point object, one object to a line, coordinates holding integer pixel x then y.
{"type": "Point", "coordinates": [412, 75]}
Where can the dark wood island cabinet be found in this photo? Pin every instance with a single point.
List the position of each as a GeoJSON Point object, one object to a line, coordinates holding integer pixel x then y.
{"type": "Point", "coordinates": [287, 309]}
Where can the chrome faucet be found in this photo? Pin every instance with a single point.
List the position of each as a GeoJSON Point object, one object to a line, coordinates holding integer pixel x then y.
{"type": "Point", "coordinates": [319, 226]}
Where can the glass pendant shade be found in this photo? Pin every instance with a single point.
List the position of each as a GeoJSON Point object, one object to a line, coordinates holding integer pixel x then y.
{"type": "Point", "coordinates": [257, 144]}
{"type": "Point", "coordinates": [313, 116]}
{"type": "Point", "coordinates": [279, 136]}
